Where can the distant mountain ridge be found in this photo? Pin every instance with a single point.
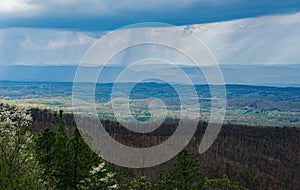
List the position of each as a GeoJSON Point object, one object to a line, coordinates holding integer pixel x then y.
{"type": "Point", "coordinates": [266, 75]}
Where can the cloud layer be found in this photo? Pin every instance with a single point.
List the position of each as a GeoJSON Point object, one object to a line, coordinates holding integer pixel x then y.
{"type": "Point", "coordinates": [263, 40]}
{"type": "Point", "coordinates": [30, 46]}
{"type": "Point", "coordinates": [107, 15]}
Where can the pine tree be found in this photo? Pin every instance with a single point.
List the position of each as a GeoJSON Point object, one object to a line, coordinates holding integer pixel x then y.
{"type": "Point", "coordinates": [68, 162]}
{"type": "Point", "coordinates": [83, 158]}
{"type": "Point", "coordinates": [140, 183]}
{"type": "Point", "coordinates": [44, 153]}
{"type": "Point", "coordinates": [62, 155]}
{"type": "Point", "coordinates": [184, 175]}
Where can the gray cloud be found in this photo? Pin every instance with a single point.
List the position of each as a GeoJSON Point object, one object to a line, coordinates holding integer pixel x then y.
{"type": "Point", "coordinates": [264, 40]}
{"type": "Point", "coordinates": [107, 15]}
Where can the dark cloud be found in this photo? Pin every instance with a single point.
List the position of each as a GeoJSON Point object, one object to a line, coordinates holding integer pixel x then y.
{"type": "Point", "coordinates": [92, 15]}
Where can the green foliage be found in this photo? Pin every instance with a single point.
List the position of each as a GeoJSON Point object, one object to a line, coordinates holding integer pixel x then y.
{"type": "Point", "coordinates": [223, 183]}
{"type": "Point", "coordinates": [44, 153]}
{"type": "Point", "coordinates": [61, 154]}
{"type": "Point", "coordinates": [19, 169]}
{"type": "Point", "coordinates": [83, 158]}
{"type": "Point", "coordinates": [140, 183]}
{"type": "Point", "coordinates": [185, 174]}
{"type": "Point", "coordinates": [100, 177]}
{"type": "Point", "coordinates": [54, 161]}
{"type": "Point", "coordinates": [70, 163]}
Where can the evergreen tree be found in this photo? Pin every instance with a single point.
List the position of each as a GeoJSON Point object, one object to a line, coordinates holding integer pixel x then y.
{"type": "Point", "coordinates": [83, 158]}
{"type": "Point", "coordinates": [61, 154]}
{"type": "Point", "coordinates": [185, 174]}
{"type": "Point", "coordinates": [70, 163]}
{"type": "Point", "coordinates": [140, 183]}
{"type": "Point", "coordinates": [45, 154]}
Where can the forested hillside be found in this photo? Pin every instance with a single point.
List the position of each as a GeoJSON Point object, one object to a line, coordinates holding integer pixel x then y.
{"type": "Point", "coordinates": [256, 157]}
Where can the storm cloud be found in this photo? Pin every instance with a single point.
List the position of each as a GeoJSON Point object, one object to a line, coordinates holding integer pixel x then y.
{"type": "Point", "coordinates": [112, 14]}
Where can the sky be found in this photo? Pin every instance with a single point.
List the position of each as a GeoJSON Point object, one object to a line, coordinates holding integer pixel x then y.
{"type": "Point", "coordinates": [59, 32]}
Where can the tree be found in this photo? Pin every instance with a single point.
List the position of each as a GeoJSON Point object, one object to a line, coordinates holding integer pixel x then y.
{"type": "Point", "coordinates": [61, 154]}
{"type": "Point", "coordinates": [82, 158]}
{"type": "Point", "coordinates": [100, 177]}
{"type": "Point", "coordinates": [44, 153]}
{"type": "Point", "coordinates": [19, 168]}
{"type": "Point", "coordinates": [127, 180]}
{"type": "Point", "coordinates": [140, 183]}
{"type": "Point", "coordinates": [223, 183]}
{"type": "Point", "coordinates": [70, 163]}
{"type": "Point", "coordinates": [185, 174]}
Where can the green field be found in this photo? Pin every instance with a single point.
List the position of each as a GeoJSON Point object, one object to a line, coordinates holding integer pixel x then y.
{"type": "Point", "coordinates": [251, 105]}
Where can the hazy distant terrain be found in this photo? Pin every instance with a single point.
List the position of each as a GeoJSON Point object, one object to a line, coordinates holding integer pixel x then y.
{"type": "Point", "coordinates": [268, 75]}
{"type": "Point", "coordinates": [252, 105]}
